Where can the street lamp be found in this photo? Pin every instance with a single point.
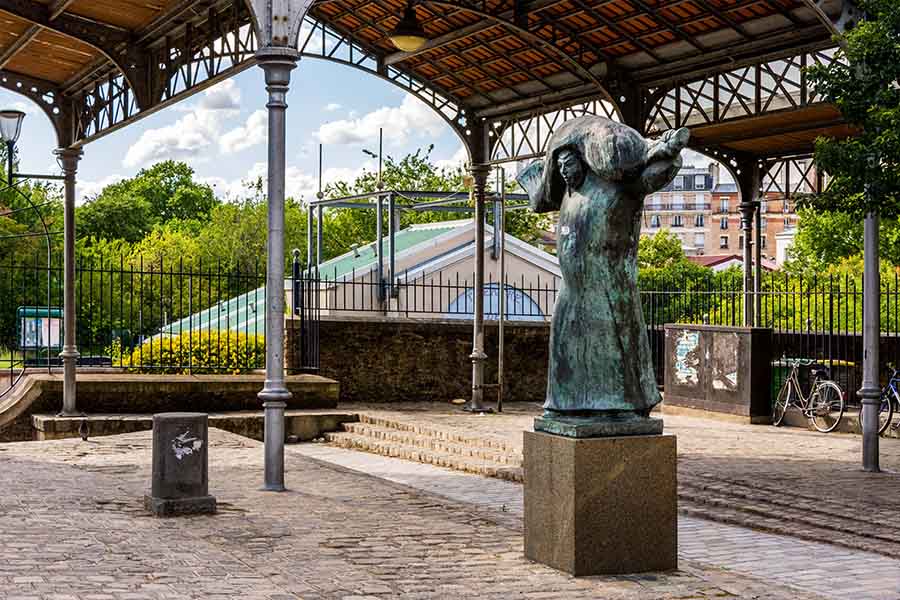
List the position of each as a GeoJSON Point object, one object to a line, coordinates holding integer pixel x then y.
{"type": "Point", "coordinates": [10, 128]}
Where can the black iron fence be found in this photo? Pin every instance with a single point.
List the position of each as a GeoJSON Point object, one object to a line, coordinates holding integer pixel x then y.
{"type": "Point", "coordinates": [189, 317]}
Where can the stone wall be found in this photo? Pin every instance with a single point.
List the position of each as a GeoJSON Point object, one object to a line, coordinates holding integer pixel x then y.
{"type": "Point", "coordinates": [386, 360]}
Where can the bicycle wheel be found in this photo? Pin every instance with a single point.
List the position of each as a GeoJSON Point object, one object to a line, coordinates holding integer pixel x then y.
{"type": "Point", "coordinates": [885, 413]}
{"type": "Point", "coordinates": [782, 402]}
{"type": "Point", "coordinates": [826, 406]}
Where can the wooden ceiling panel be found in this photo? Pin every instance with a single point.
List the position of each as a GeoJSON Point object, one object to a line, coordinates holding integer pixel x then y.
{"type": "Point", "coordinates": [53, 57]}
{"type": "Point", "coordinates": [130, 14]}
{"type": "Point", "coordinates": [11, 29]}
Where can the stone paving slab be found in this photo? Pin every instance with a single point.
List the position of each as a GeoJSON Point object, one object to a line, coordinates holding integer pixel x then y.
{"type": "Point", "coordinates": [829, 570]}
{"type": "Point", "coordinates": [72, 526]}
{"type": "Point", "coordinates": [781, 480]}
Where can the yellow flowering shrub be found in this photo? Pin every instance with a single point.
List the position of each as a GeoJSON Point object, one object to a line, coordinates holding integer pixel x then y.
{"type": "Point", "coordinates": [199, 352]}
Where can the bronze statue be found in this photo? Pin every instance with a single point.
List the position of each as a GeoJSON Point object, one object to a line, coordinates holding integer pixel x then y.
{"type": "Point", "coordinates": [596, 173]}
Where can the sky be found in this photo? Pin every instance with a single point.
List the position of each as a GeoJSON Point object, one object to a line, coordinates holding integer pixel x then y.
{"type": "Point", "coordinates": [221, 133]}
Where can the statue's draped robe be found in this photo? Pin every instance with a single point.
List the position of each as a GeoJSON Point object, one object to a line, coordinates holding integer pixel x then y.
{"type": "Point", "coordinates": [600, 359]}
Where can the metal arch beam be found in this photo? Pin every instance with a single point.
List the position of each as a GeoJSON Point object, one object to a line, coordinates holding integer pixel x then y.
{"type": "Point", "coordinates": [37, 90]}
{"type": "Point", "coordinates": [848, 13]}
{"type": "Point", "coordinates": [106, 38]}
{"type": "Point", "coordinates": [583, 69]}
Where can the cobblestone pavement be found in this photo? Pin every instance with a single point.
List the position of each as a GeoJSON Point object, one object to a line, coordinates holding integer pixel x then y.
{"type": "Point", "coordinates": [72, 528]}
{"type": "Point", "coordinates": [829, 570]}
{"type": "Point", "coordinates": [782, 480]}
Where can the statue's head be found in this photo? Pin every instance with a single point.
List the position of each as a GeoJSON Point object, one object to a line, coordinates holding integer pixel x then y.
{"type": "Point", "coordinates": [571, 167]}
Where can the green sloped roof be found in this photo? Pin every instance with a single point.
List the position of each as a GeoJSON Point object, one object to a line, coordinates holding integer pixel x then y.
{"type": "Point", "coordinates": [403, 240]}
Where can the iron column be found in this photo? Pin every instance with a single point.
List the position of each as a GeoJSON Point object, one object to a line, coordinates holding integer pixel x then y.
{"type": "Point", "coordinates": [757, 272]}
{"type": "Point", "coordinates": [750, 182]}
{"type": "Point", "coordinates": [68, 158]}
{"type": "Point", "coordinates": [277, 64]}
{"type": "Point", "coordinates": [870, 392]}
{"type": "Point", "coordinates": [480, 175]}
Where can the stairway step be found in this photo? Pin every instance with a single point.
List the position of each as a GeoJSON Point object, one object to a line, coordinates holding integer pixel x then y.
{"type": "Point", "coordinates": [427, 443]}
{"type": "Point", "coordinates": [449, 435]}
{"type": "Point", "coordinates": [480, 466]}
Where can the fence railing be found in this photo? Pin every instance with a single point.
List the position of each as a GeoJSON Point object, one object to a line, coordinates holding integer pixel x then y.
{"type": "Point", "coordinates": [190, 317]}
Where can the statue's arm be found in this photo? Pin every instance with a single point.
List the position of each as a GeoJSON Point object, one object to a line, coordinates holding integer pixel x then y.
{"type": "Point", "coordinates": [531, 178]}
{"type": "Point", "coordinates": [663, 161]}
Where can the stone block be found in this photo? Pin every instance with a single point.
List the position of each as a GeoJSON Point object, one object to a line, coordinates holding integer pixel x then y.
{"type": "Point", "coordinates": [601, 506]}
{"type": "Point", "coordinates": [180, 478]}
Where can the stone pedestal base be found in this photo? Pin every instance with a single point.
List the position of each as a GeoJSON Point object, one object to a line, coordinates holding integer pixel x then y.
{"type": "Point", "coordinates": [173, 507]}
{"type": "Point", "coordinates": [601, 506]}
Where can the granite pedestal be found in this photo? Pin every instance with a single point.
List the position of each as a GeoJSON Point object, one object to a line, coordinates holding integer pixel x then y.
{"type": "Point", "coordinates": [603, 505]}
{"type": "Point", "coordinates": [180, 480]}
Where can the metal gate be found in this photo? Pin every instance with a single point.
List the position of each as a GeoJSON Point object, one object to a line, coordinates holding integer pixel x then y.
{"type": "Point", "coordinates": [305, 317]}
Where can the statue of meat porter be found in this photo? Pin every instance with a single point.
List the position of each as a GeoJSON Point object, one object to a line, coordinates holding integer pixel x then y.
{"type": "Point", "coordinates": [596, 173]}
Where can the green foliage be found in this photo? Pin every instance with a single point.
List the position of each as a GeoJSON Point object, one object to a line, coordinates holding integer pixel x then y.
{"type": "Point", "coordinates": [660, 251]}
{"type": "Point", "coordinates": [165, 193]}
{"type": "Point", "coordinates": [862, 82]}
{"type": "Point", "coordinates": [198, 353]}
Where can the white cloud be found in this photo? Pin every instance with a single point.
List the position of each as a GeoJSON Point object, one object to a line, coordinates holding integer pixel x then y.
{"type": "Point", "coordinates": [253, 132]}
{"type": "Point", "coordinates": [411, 118]}
{"type": "Point", "coordinates": [299, 184]}
{"type": "Point", "coordinates": [191, 135]}
{"type": "Point", "coordinates": [85, 190]}
{"type": "Point", "coordinates": [459, 159]}
{"type": "Point", "coordinates": [331, 107]}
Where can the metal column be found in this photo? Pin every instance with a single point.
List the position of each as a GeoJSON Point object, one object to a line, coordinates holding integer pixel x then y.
{"type": "Point", "coordinates": [277, 64]}
{"type": "Point", "coordinates": [392, 249]}
{"type": "Point", "coordinates": [870, 392]}
{"type": "Point", "coordinates": [750, 182]}
{"type": "Point", "coordinates": [757, 273]}
{"type": "Point", "coordinates": [480, 174]}
{"type": "Point", "coordinates": [379, 247]}
{"type": "Point", "coordinates": [68, 159]}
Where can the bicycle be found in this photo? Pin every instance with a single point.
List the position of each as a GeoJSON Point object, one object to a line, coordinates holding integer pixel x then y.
{"type": "Point", "coordinates": [824, 407]}
{"type": "Point", "coordinates": [890, 395]}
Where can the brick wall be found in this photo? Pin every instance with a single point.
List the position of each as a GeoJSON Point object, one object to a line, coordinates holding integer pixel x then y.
{"type": "Point", "coordinates": [384, 360]}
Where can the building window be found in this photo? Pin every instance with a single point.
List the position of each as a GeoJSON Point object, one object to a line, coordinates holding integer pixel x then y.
{"type": "Point", "coordinates": [678, 183]}
{"type": "Point", "coordinates": [785, 206]}
{"type": "Point", "coordinates": [699, 240]}
{"type": "Point", "coordinates": [762, 242]}
{"type": "Point", "coordinates": [787, 223]}
{"type": "Point", "coordinates": [699, 182]}
{"type": "Point", "coordinates": [764, 206]}
{"type": "Point", "coordinates": [699, 221]}
{"type": "Point", "coordinates": [677, 221]}
{"type": "Point", "coordinates": [723, 241]}
{"type": "Point", "coordinates": [723, 223]}
{"type": "Point", "coordinates": [677, 202]}
{"type": "Point", "coordinates": [654, 221]}
{"type": "Point", "coordinates": [723, 205]}
{"type": "Point", "coordinates": [741, 243]}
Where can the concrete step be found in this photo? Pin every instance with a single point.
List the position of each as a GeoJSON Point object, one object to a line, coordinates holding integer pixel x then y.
{"type": "Point", "coordinates": [429, 443]}
{"type": "Point", "coordinates": [457, 462]}
{"type": "Point", "coordinates": [449, 435]}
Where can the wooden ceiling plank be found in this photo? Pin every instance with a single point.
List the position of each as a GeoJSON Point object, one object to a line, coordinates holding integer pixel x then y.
{"type": "Point", "coordinates": [9, 53]}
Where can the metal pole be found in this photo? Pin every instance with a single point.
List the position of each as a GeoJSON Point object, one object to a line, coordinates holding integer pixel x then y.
{"type": "Point", "coordinates": [277, 64]}
{"type": "Point", "coordinates": [501, 215]}
{"type": "Point", "coordinates": [480, 174]}
{"type": "Point", "coordinates": [870, 391]}
{"type": "Point", "coordinates": [69, 158]}
{"type": "Point", "coordinates": [319, 210]}
{"type": "Point", "coordinates": [392, 250]}
{"type": "Point", "coordinates": [379, 248]}
{"type": "Point", "coordinates": [309, 237]}
{"type": "Point", "coordinates": [757, 278]}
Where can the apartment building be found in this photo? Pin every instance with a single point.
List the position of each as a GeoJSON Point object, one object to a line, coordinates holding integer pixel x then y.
{"type": "Point", "coordinates": [725, 234]}
{"type": "Point", "coordinates": [684, 207]}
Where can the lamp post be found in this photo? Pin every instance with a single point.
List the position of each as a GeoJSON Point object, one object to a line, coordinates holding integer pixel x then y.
{"type": "Point", "coordinates": [10, 129]}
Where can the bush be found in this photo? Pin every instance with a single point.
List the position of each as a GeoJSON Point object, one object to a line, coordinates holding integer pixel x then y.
{"type": "Point", "coordinates": [198, 352]}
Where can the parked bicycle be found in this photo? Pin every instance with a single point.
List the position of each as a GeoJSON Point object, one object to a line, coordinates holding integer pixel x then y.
{"type": "Point", "coordinates": [890, 396]}
{"type": "Point", "coordinates": [824, 406]}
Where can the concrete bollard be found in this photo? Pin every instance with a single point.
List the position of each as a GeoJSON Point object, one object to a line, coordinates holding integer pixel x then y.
{"type": "Point", "coordinates": [180, 480]}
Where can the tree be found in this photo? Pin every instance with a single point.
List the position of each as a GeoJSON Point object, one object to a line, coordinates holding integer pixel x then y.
{"type": "Point", "coordinates": [862, 83]}
{"type": "Point", "coordinates": [130, 209]}
{"type": "Point", "coordinates": [662, 250]}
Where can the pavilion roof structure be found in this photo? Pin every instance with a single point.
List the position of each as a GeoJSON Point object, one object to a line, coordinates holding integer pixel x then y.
{"type": "Point", "coordinates": [731, 70]}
